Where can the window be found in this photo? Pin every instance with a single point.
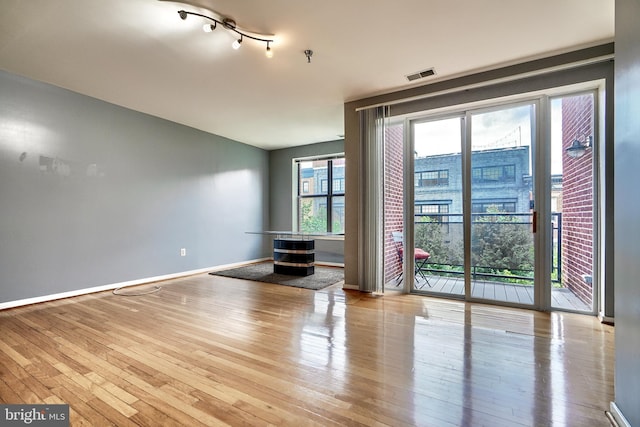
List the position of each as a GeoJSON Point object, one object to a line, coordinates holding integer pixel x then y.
{"type": "Point", "coordinates": [432, 178]}
{"type": "Point", "coordinates": [494, 206]}
{"type": "Point", "coordinates": [320, 205]}
{"type": "Point", "coordinates": [432, 212]}
{"type": "Point", "coordinates": [422, 209]}
{"type": "Point", "coordinates": [494, 174]}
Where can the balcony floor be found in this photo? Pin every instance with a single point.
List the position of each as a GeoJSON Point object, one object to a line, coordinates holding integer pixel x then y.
{"type": "Point", "coordinates": [562, 298]}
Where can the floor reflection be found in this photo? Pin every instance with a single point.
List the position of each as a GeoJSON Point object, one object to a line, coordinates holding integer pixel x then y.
{"type": "Point", "coordinates": [465, 364]}
{"type": "Point", "coordinates": [412, 360]}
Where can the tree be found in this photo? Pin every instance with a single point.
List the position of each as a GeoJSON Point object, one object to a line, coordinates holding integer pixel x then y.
{"type": "Point", "coordinates": [502, 242]}
{"type": "Point", "coordinates": [311, 222]}
{"type": "Point", "coordinates": [429, 235]}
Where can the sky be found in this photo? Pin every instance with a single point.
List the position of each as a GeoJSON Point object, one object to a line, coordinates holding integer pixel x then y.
{"type": "Point", "coordinates": [495, 129]}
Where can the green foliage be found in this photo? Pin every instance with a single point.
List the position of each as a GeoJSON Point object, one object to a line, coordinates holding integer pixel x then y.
{"type": "Point", "coordinates": [501, 245]}
{"type": "Point", "coordinates": [430, 236]}
{"type": "Point", "coordinates": [312, 222]}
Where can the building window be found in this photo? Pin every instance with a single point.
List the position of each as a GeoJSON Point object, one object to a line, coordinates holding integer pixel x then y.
{"type": "Point", "coordinates": [494, 206]}
{"type": "Point", "coordinates": [432, 178]}
{"type": "Point", "coordinates": [434, 212]}
{"type": "Point", "coordinates": [321, 206]}
{"type": "Point", "coordinates": [494, 174]}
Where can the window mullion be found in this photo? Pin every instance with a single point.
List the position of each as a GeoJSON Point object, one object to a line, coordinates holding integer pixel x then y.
{"type": "Point", "coordinates": [329, 195]}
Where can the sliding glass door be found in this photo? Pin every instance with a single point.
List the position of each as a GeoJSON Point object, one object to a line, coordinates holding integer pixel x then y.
{"type": "Point", "coordinates": [502, 204]}
{"type": "Point", "coordinates": [438, 206]}
{"type": "Point", "coordinates": [473, 223]}
{"type": "Point", "coordinates": [474, 171]}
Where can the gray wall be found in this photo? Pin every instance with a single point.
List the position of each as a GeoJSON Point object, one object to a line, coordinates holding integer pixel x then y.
{"type": "Point", "coordinates": [627, 209]}
{"type": "Point", "coordinates": [281, 188]}
{"type": "Point", "coordinates": [94, 194]}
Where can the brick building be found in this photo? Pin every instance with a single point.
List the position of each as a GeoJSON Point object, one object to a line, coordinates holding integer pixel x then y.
{"type": "Point", "coordinates": [577, 198]}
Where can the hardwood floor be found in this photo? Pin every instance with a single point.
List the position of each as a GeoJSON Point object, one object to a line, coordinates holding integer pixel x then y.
{"type": "Point", "coordinates": [209, 350]}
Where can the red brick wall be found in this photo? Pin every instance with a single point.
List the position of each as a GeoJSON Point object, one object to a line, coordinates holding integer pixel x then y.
{"type": "Point", "coordinates": [393, 197]}
{"type": "Point", "coordinates": [577, 197]}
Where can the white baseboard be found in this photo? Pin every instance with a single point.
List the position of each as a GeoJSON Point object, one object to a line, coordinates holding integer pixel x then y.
{"type": "Point", "coordinates": [351, 287]}
{"type": "Point", "coordinates": [45, 298]}
{"type": "Point", "coordinates": [329, 264]}
{"type": "Point", "coordinates": [617, 415]}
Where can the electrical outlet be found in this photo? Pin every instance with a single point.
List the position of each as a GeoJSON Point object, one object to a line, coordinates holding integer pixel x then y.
{"type": "Point", "coordinates": [183, 252]}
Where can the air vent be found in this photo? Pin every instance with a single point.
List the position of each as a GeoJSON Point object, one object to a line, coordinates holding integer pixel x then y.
{"type": "Point", "coordinates": [421, 74]}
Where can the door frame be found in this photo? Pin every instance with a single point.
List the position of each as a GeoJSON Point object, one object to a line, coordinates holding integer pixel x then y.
{"type": "Point", "coordinates": [541, 167]}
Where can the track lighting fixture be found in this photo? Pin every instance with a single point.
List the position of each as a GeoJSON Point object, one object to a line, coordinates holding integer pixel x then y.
{"type": "Point", "coordinates": [230, 25]}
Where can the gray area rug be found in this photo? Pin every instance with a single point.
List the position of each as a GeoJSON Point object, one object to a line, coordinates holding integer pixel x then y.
{"type": "Point", "coordinates": [263, 272]}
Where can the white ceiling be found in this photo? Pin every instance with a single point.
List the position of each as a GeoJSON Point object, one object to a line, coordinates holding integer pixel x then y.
{"type": "Point", "coordinates": [141, 55]}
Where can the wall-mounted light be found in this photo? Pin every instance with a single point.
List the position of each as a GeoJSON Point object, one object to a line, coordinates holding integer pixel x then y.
{"type": "Point", "coordinates": [230, 25]}
{"type": "Point", "coordinates": [579, 147]}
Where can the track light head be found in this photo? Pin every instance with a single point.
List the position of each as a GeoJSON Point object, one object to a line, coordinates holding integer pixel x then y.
{"type": "Point", "coordinates": [269, 52]}
{"type": "Point", "coordinates": [207, 28]}
{"type": "Point", "coordinates": [236, 44]}
{"type": "Point", "coordinates": [183, 14]}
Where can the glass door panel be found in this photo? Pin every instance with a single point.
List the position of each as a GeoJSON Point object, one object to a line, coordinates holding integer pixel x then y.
{"type": "Point", "coordinates": [394, 145]}
{"type": "Point", "coordinates": [572, 202]}
{"type": "Point", "coordinates": [502, 242]}
{"type": "Point", "coordinates": [438, 226]}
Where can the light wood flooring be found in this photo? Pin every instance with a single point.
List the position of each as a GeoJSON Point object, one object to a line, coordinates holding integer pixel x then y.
{"type": "Point", "coordinates": [208, 351]}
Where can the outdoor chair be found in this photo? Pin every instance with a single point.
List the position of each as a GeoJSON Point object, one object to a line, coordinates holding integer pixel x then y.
{"type": "Point", "coordinates": [420, 258]}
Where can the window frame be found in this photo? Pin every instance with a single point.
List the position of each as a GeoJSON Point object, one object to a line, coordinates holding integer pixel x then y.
{"type": "Point", "coordinates": [327, 193]}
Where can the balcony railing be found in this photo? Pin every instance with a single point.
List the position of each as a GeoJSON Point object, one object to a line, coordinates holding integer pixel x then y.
{"type": "Point", "coordinates": [441, 234]}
